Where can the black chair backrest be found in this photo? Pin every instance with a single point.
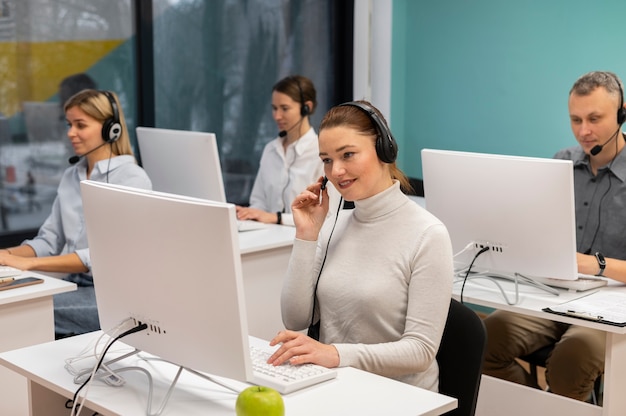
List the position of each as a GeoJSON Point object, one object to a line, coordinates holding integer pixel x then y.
{"type": "Point", "coordinates": [460, 357]}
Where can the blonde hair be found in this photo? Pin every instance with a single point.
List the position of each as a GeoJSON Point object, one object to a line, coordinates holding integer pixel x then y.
{"type": "Point", "coordinates": [97, 105]}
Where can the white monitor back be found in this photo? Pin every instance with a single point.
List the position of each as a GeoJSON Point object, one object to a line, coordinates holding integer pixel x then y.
{"type": "Point", "coordinates": [172, 262]}
{"type": "Point", "coordinates": [182, 162]}
{"type": "Point", "coordinates": [523, 207]}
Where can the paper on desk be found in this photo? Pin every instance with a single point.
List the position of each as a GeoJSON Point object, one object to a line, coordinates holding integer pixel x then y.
{"type": "Point", "coordinates": [602, 306]}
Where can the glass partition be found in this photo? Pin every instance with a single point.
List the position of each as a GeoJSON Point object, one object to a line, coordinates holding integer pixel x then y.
{"type": "Point", "coordinates": [44, 44]}
{"type": "Point", "coordinates": [213, 64]}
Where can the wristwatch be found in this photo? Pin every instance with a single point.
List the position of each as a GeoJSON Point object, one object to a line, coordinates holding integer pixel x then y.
{"type": "Point", "coordinates": [601, 263]}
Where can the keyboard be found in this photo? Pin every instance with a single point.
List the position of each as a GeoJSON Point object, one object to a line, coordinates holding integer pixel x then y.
{"type": "Point", "coordinates": [286, 378]}
{"type": "Point", "coordinates": [250, 225]}
{"type": "Point", "coordinates": [8, 271]}
{"type": "Point", "coordinates": [583, 283]}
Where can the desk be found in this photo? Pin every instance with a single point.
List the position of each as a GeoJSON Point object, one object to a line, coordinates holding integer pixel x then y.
{"type": "Point", "coordinates": [352, 392]}
{"type": "Point", "coordinates": [264, 258]}
{"type": "Point", "coordinates": [499, 397]}
{"type": "Point", "coordinates": [26, 318]}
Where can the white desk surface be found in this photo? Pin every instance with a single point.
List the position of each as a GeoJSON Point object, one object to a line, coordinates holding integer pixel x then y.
{"type": "Point", "coordinates": [531, 300]}
{"type": "Point", "coordinates": [498, 397]}
{"type": "Point", "coordinates": [352, 392]}
{"type": "Point", "coordinates": [50, 286]}
{"type": "Point", "coordinates": [274, 236]}
{"type": "Point", "coordinates": [26, 318]}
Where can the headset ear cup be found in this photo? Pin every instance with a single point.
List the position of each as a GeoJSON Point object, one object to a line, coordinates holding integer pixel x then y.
{"type": "Point", "coordinates": [386, 149]}
{"type": "Point", "coordinates": [111, 128]}
{"type": "Point", "coordinates": [386, 146]}
{"type": "Point", "coordinates": [621, 116]}
{"type": "Point", "coordinates": [111, 131]}
{"type": "Point", "coordinates": [115, 132]}
{"type": "Point", "coordinates": [305, 110]}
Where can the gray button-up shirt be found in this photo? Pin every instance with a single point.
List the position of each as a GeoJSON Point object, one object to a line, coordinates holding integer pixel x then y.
{"type": "Point", "coordinates": [600, 204]}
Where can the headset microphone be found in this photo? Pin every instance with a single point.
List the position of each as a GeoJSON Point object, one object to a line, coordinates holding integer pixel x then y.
{"type": "Point", "coordinates": [598, 148]}
{"type": "Point", "coordinates": [283, 133]}
{"type": "Point", "coordinates": [74, 159]}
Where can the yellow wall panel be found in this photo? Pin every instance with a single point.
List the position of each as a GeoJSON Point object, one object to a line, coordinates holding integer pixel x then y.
{"type": "Point", "coordinates": [8, 79]}
{"type": "Point", "coordinates": [35, 69]}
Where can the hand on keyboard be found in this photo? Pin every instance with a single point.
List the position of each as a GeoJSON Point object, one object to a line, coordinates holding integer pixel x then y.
{"type": "Point", "coordinates": [286, 377]}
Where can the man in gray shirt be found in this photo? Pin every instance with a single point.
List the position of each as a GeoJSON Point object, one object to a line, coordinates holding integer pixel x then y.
{"type": "Point", "coordinates": [596, 108]}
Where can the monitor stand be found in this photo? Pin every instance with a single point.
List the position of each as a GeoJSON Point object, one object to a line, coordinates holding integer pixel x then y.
{"type": "Point", "coordinates": [517, 278]}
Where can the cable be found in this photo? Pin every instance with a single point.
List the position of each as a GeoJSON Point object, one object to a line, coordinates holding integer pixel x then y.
{"type": "Point", "coordinates": [502, 291]}
{"type": "Point", "coordinates": [138, 328]}
{"type": "Point", "coordinates": [317, 281]}
{"type": "Point", "coordinates": [608, 172]}
{"type": "Point", "coordinates": [516, 278]}
{"type": "Point", "coordinates": [295, 158]}
{"type": "Point", "coordinates": [466, 248]}
{"type": "Point", "coordinates": [169, 392]}
{"type": "Point", "coordinates": [94, 344]}
{"type": "Point", "coordinates": [481, 251]}
{"type": "Point", "coordinates": [109, 163]}
{"type": "Point", "coordinates": [285, 188]}
{"type": "Point", "coordinates": [608, 189]}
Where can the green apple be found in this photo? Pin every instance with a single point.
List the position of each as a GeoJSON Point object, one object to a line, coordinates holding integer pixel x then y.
{"type": "Point", "coordinates": [260, 401]}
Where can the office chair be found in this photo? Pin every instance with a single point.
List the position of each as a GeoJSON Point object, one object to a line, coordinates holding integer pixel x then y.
{"type": "Point", "coordinates": [417, 185]}
{"type": "Point", "coordinates": [460, 357]}
{"type": "Point", "coordinates": [539, 358]}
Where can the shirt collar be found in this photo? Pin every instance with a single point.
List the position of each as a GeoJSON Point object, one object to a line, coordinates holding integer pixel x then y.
{"type": "Point", "coordinates": [617, 166]}
{"type": "Point", "coordinates": [304, 143]}
{"type": "Point", "coordinates": [103, 166]}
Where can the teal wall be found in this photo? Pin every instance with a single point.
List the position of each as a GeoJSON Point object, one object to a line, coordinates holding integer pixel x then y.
{"type": "Point", "coordinates": [493, 76]}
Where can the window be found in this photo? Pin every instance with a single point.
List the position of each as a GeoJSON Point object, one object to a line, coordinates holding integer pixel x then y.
{"type": "Point", "coordinates": [41, 43]}
{"type": "Point", "coordinates": [215, 63]}
{"type": "Point", "coordinates": [210, 67]}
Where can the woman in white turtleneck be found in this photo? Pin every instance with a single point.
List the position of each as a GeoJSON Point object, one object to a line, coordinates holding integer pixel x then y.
{"type": "Point", "coordinates": [379, 277]}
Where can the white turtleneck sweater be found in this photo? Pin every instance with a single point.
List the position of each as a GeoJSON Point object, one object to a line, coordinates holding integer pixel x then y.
{"type": "Point", "coordinates": [384, 290]}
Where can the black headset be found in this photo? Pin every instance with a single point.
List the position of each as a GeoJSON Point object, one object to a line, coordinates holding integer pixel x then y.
{"type": "Point", "coordinates": [111, 128]}
{"type": "Point", "coordinates": [621, 111]}
{"type": "Point", "coordinates": [304, 108]}
{"type": "Point", "coordinates": [386, 147]}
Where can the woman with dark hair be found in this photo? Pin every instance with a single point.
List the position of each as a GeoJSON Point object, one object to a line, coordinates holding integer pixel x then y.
{"type": "Point", "coordinates": [378, 278]}
{"type": "Point", "coordinates": [290, 161]}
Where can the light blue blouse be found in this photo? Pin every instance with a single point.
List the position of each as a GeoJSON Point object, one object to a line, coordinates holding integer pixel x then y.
{"type": "Point", "coordinates": [64, 230]}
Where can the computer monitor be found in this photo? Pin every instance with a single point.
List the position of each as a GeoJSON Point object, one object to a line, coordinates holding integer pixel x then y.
{"type": "Point", "coordinates": [520, 207]}
{"type": "Point", "coordinates": [182, 162]}
{"type": "Point", "coordinates": [172, 262]}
